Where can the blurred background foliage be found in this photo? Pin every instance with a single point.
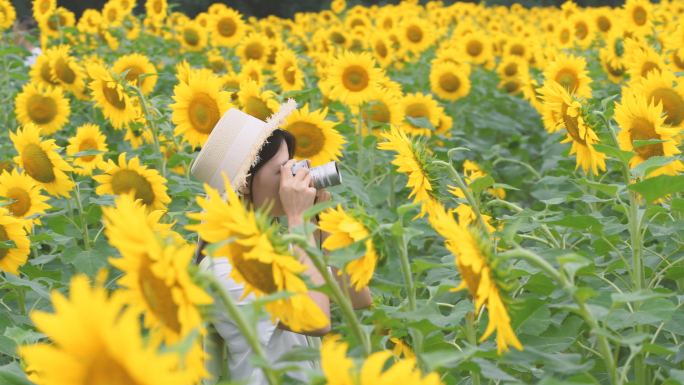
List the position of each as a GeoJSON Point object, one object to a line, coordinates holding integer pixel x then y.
{"type": "Point", "coordinates": [286, 8]}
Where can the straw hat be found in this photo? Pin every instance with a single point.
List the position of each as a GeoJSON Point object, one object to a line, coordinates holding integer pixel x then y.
{"type": "Point", "coordinates": [233, 146]}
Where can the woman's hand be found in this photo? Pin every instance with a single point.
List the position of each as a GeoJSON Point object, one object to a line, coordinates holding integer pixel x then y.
{"type": "Point", "coordinates": [296, 192]}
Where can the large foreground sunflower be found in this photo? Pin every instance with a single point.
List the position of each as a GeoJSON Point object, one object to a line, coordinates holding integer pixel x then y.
{"type": "Point", "coordinates": [659, 88]}
{"type": "Point", "coordinates": [641, 119]}
{"type": "Point", "coordinates": [97, 341]}
{"type": "Point", "coordinates": [41, 162]}
{"type": "Point", "coordinates": [259, 258]}
{"type": "Point", "coordinates": [125, 178]}
{"type": "Point", "coordinates": [11, 229]}
{"type": "Point", "coordinates": [26, 197]}
{"type": "Point", "coordinates": [200, 104]}
{"type": "Point", "coordinates": [45, 107]}
{"type": "Point", "coordinates": [88, 136]}
{"type": "Point", "coordinates": [477, 266]}
{"type": "Point", "coordinates": [353, 78]}
{"type": "Point", "coordinates": [317, 139]}
{"type": "Point", "coordinates": [558, 100]}
{"type": "Point", "coordinates": [116, 105]}
{"type": "Point", "coordinates": [136, 65]}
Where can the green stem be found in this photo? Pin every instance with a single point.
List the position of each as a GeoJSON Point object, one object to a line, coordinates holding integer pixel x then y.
{"type": "Point", "coordinates": [391, 196]}
{"type": "Point", "coordinates": [21, 295]}
{"type": "Point", "coordinates": [359, 142]}
{"type": "Point", "coordinates": [84, 218]}
{"type": "Point", "coordinates": [155, 131]}
{"type": "Point", "coordinates": [471, 336]}
{"type": "Point", "coordinates": [247, 330]}
{"type": "Point", "coordinates": [410, 290]}
{"type": "Point", "coordinates": [461, 184]}
{"type": "Point", "coordinates": [59, 27]}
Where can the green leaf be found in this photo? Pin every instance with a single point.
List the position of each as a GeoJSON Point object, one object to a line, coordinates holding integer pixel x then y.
{"type": "Point", "coordinates": [403, 209]}
{"type": "Point", "coordinates": [9, 244]}
{"type": "Point", "coordinates": [677, 204]}
{"type": "Point", "coordinates": [605, 101]}
{"type": "Point", "coordinates": [531, 316]}
{"type": "Point", "coordinates": [12, 280]}
{"type": "Point", "coordinates": [623, 156]}
{"type": "Point", "coordinates": [580, 222]}
{"type": "Point", "coordinates": [480, 184]}
{"type": "Point", "coordinates": [447, 358]}
{"type": "Point", "coordinates": [89, 152]}
{"type": "Point", "coordinates": [492, 372]}
{"type": "Point", "coordinates": [651, 164]}
{"type": "Point", "coordinates": [540, 283]}
{"type": "Point", "coordinates": [300, 353]}
{"type": "Point", "coordinates": [317, 208]}
{"type": "Point", "coordinates": [422, 122]}
{"type": "Point", "coordinates": [657, 187]}
{"type": "Point", "coordinates": [641, 295]}
{"type": "Point", "coordinates": [11, 374]}
{"type": "Point", "coordinates": [640, 143]}
{"type": "Point", "coordinates": [89, 262]}
{"type": "Point", "coordinates": [610, 189]}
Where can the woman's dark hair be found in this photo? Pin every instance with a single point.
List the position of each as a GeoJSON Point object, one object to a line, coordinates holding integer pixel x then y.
{"type": "Point", "coordinates": [267, 152]}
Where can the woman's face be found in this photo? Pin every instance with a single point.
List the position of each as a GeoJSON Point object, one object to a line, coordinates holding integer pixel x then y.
{"type": "Point", "coordinates": [266, 183]}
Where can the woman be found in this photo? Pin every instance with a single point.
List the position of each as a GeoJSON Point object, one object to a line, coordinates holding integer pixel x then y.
{"type": "Point", "coordinates": [256, 157]}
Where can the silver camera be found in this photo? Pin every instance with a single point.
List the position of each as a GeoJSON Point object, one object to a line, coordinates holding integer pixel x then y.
{"type": "Point", "coordinates": [323, 176]}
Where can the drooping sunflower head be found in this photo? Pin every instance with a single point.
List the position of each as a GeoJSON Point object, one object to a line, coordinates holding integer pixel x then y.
{"type": "Point", "coordinates": [136, 65]}
{"type": "Point", "coordinates": [132, 178]}
{"type": "Point", "coordinates": [65, 71]}
{"type": "Point", "coordinates": [317, 139]}
{"type": "Point", "coordinates": [109, 94]}
{"type": "Point", "coordinates": [88, 136]}
{"type": "Point", "coordinates": [353, 77]}
{"type": "Point", "coordinates": [200, 104]}
{"type": "Point", "coordinates": [385, 110]}
{"type": "Point", "coordinates": [569, 71]}
{"type": "Point", "coordinates": [26, 197]}
{"type": "Point", "coordinates": [41, 162]}
{"type": "Point", "coordinates": [260, 105]}
{"type": "Point", "coordinates": [46, 107]}
{"type": "Point", "coordinates": [228, 28]}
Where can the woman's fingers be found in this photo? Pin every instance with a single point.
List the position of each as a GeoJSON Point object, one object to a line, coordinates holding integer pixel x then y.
{"type": "Point", "coordinates": [286, 171]}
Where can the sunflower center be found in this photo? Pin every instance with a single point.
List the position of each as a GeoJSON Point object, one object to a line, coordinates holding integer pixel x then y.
{"type": "Point", "coordinates": [45, 74]}
{"type": "Point", "coordinates": [474, 47]}
{"type": "Point", "coordinates": [572, 125]}
{"type": "Point", "coordinates": [673, 105]}
{"type": "Point", "coordinates": [355, 78]}
{"type": "Point", "coordinates": [449, 82]}
{"type": "Point", "coordinates": [388, 23]}
{"type": "Point", "coordinates": [511, 69]}
{"type": "Point", "coordinates": [310, 139]}
{"type": "Point", "coordinates": [22, 201]}
{"type": "Point", "coordinates": [512, 86]}
{"type": "Point", "coordinates": [3, 238]}
{"type": "Point", "coordinates": [258, 108]}
{"type": "Point", "coordinates": [414, 33]}
{"type": "Point", "coordinates": [37, 164]}
{"type": "Point", "coordinates": [257, 274]}
{"type": "Point", "coordinates": [643, 129]}
{"type": "Point", "coordinates": [44, 6]}
{"type": "Point", "coordinates": [52, 22]}
{"type": "Point", "coordinates": [338, 38]}
{"type": "Point", "coordinates": [380, 113]}
{"type": "Point", "coordinates": [104, 370]}
{"type": "Point", "coordinates": [157, 6]}
{"type": "Point", "coordinates": [227, 27]}
{"type": "Point", "coordinates": [648, 67]}
{"type": "Point", "coordinates": [581, 30]}
{"type": "Point", "coordinates": [289, 73]}
{"type": "Point", "coordinates": [112, 96]}
{"type": "Point", "coordinates": [126, 180]}
{"type": "Point", "coordinates": [231, 84]}
{"type": "Point", "coordinates": [565, 35]}
{"type": "Point", "coordinates": [517, 49]}
{"type": "Point", "coordinates": [134, 73]}
{"type": "Point", "coordinates": [677, 61]}
{"type": "Point", "coordinates": [203, 112]}
{"type": "Point", "coordinates": [568, 79]}
{"type": "Point", "coordinates": [63, 71]}
{"type": "Point", "coordinates": [158, 297]}
{"type": "Point", "coordinates": [603, 23]}
{"type": "Point", "coordinates": [639, 14]}
{"type": "Point", "coordinates": [191, 36]}
{"type": "Point", "coordinates": [254, 51]}
{"type": "Point", "coordinates": [86, 145]}
{"type": "Point", "coordinates": [41, 109]}
{"type": "Point", "coordinates": [614, 71]}
{"type": "Point", "coordinates": [381, 49]}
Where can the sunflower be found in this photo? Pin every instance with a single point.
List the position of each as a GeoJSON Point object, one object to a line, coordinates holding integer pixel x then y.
{"type": "Point", "coordinates": [7, 15]}
{"type": "Point", "coordinates": [41, 162]}
{"type": "Point", "coordinates": [43, 8]}
{"type": "Point", "coordinates": [420, 106]}
{"type": "Point", "coordinates": [385, 109]}
{"type": "Point", "coordinates": [478, 268]}
{"type": "Point", "coordinates": [254, 71]}
{"type": "Point", "coordinates": [338, 6]}
{"type": "Point", "coordinates": [28, 201]}
{"type": "Point", "coordinates": [253, 47]}
{"type": "Point", "coordinates": [259, 258]}
{"type": "Point", "coordinates": [338, 36]}
{"type": "Point", "coordinates": [659, 88]}
{"type": "Point", "coordinates": [47, 108]}
{"type": "Point", "coordinates": [569, 71]}
{"type": "Point", "coordinates": [448, 82]}
{"type": "Point", "coordinates": [519, 47]}
{"type": "Point", "coordinates": [110, 347]}
{"type": "Point", "coordinates": [317, 139]}
{"type": "Point", "coordinates": [136, 137]}
{"type": "Point", "coordinates": [192, 37]}
{"type": "Point", "coordinates": [125, 178]}
{"type": "Point", "coordinates": [563, 35]}
{"type": "Point", "coordinates": [116, 105]}
{"type": "Point", "coordinates": [340, 370]}
{"type": "Point", "coordinates": [413, 159]}
{"type": "Point", "coordinates": [88, 136]}
{"type": "Point", "coordinates": [603, 20]}
{"type": "Point", "coordinates": [353, 77]}
{"type": "Point", "coordinates": [642, 61]}
{"type": "Point", "coordinates": [41, 72]}
{"type": "Point", "coordinates": [451, 55]}
{"type": "Point", "coordinates": [381, 46]}
{"type": "Point", "coordinates": [642, 119]}
{"type": "Point", "coordinates": [260, 105]}
{"type": "Point", "coordinates": [199, 106]}
{"type": "Point", "coordinates": [476, 48]}
{"type": "Point", "coordinates": [89, 21]}
{"type": "Point", "coordinates": [183, 71]}
{"type": "Point", "coordinates": [51, 24]}
{"type": "Point", "coordinates": [416, 34]}
{"type": "Point", "coordinates": [570, 111]}
{"type": "Point", "coordinates": [615, 69]}
{"type": "Point", "coordinates": [136, 65]}
{"type": "Point", "coordinates": [65, 71]}
{"type": "Point", "coordinates": [287, 71]}
{"type": "Point", "coordinates": [11, 229]}
{"type": "Point", "coordinates": [637, 16]}
{"type": "Point", "coordinates": [228, 28]}
{"type": "Point", "coordinates": [344, 230]}
{"type": "Point", "coordinates": [112, 12]}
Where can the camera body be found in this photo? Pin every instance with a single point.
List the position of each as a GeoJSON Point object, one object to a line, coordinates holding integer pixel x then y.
{"type": "Point", "coordinates": [323, 176]}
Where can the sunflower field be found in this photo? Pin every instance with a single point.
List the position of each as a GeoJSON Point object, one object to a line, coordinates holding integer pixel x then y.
{"type": "Point", "coordinates": [512, 193]}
